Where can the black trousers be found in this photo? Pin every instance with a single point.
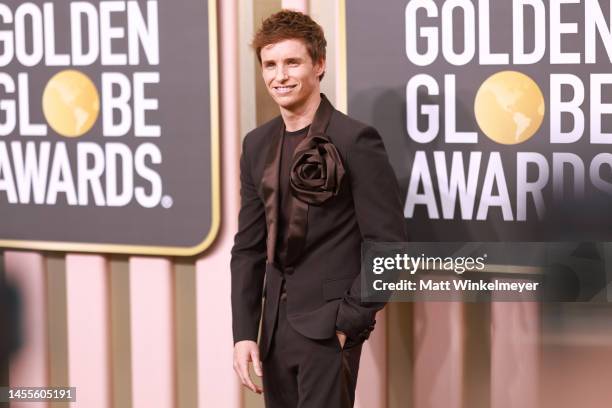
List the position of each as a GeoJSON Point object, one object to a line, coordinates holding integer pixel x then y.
{"type": "Point", "coordinates": [299, 372]}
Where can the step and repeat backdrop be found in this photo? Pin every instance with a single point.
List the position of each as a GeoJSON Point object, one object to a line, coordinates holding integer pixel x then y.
{"type": "Point", "coordinates": [108, 126]}
{"type": "Point", "coordinates": [497, 115]}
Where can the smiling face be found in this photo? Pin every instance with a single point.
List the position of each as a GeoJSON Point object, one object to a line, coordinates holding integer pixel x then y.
{"type": "Point", "coordinates": [290, 75]}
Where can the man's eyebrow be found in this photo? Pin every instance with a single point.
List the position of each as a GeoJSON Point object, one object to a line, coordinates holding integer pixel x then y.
{"type": "Point", "coordinates": [288, 59]}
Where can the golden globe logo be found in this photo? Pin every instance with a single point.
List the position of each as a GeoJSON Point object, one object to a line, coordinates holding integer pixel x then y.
{"type": "Point", "coordinates": [509, 107]}
{"type": "Point", "coordinates": [71, 103]}
{"type": "Point", "coordinates": [117, 165]}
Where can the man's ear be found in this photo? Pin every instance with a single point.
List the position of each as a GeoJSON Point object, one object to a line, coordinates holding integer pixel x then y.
{"type": "Point", "coordinates": [320, 67]}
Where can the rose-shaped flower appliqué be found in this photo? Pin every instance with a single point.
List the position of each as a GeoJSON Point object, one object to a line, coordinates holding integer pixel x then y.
{"type": "Point", "coordinates": [317, 171]}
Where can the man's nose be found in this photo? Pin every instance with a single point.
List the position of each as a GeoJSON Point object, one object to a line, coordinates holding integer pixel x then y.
{"type": "Point", "coordinates": [281, 73]}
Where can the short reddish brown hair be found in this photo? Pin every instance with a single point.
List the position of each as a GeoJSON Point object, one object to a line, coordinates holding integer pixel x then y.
{"type": "Point", "coordinates": [289, 24]}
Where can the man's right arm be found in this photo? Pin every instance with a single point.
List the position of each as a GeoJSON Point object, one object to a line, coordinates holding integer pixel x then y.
{"type": "Point", "coordinates": [248, 257]}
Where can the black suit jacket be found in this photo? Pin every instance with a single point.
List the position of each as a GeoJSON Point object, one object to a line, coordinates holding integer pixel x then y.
{"type": "Point", "coordinates": [323, 282]}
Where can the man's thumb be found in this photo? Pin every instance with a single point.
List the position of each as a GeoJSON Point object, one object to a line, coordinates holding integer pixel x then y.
{"type": "Point", "coordinates": [256, 363]}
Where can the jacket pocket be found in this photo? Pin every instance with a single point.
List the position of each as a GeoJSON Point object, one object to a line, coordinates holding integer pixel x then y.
{"type": "Point", "coordinates": [336, 288]}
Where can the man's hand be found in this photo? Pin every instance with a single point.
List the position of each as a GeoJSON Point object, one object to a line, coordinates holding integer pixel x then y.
{"type": "Point", "coordinates": [246, 351]}
{"type": "Point", "coordinates": [341, 338]}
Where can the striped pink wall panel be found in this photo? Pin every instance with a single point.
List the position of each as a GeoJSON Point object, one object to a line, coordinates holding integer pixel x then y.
{"type": "Point", "coordinates": [30, 367]}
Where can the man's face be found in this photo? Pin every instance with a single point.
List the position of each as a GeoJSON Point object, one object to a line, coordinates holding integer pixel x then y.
{"type": "Point", "coordinates": [289, 73]}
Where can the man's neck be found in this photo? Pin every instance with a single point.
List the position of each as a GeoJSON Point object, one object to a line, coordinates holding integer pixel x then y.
{"type": "Point", "coordinates": [303, 116]}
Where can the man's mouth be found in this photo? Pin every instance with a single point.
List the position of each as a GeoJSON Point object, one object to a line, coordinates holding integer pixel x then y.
{"type": "Point", "coordinates": [284, 89]}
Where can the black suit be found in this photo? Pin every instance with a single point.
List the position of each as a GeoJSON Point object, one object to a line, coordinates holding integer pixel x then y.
{"type": "Point", "coordinates": [322, 278]}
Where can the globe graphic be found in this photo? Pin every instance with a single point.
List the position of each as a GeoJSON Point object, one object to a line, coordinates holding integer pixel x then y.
{"type": "Point", "coordinates": [509, 107]}
{"type": "Point", "coordinates": [70, 103]}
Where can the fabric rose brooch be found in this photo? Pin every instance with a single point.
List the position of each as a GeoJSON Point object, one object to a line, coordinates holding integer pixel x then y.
{"type": "Point", "coordinates": [317, 170]}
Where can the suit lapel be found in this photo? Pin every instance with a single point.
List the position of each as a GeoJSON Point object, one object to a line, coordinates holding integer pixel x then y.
{"type": "Point", "coordinates": [269, 189]}
{"type": "Point", "coordinates": [298, 220]}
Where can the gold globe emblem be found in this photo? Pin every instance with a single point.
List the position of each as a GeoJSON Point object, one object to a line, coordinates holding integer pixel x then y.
{"type": "Point", "coordinates": [509, 107]}
{"type": "Point", "coordinates": [71, 103]}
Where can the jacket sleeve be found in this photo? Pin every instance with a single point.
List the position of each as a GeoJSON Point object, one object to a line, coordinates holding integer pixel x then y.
{"type": "Point", "coordinates": [248, 257]}
{"type": "Point", "coordinates": [378, 207]}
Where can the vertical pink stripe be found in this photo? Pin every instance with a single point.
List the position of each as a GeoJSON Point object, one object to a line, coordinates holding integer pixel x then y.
{"type": "Point", "coordinates": [87, 300]}
{"type": "Point", "coordinates": [438, 365]}
{"type": "Point", "coordinates": [218, 386]}
{"type": "Point", "coordinates": [514, 354]}
{"type": "Point", "coordinates": [152, 334]}
{"type": "Point", "coordinates": [372, 380]}
{"type": "Point", "coordinates": [30, 367]}
{"type": "Point", "coordinates": [299, 5]}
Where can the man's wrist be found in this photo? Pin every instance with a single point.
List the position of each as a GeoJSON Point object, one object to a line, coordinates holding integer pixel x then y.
{"type": "Point", "coordinates": [239, 339]}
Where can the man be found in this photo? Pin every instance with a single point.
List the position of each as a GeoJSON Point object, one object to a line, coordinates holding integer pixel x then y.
{"type": "Point", "coordinates": [314, 184]}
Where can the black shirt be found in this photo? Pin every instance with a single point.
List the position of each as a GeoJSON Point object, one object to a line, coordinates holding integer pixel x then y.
{"type": "Point", "coordinates": [290, 142]}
